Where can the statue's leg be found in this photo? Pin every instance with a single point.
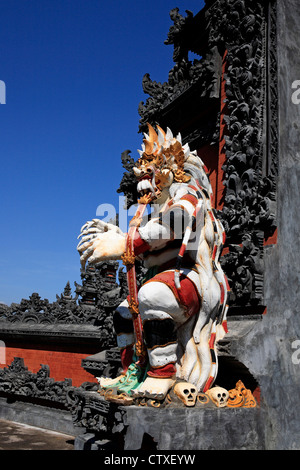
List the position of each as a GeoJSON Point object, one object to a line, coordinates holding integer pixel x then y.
{"type": "Point", "coordinates": [124, 330]}
{"type": "Point", "coordinates": [161, 314]}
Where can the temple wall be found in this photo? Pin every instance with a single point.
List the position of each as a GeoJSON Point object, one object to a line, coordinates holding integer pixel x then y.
{"type": "Point", "coordinates": [269, 349]}
{"type": "Point", "coordinates": [64, 361]}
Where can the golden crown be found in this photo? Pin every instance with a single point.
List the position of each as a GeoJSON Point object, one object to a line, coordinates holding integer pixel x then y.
{"type": "Point", "coordinates": [163, 150]}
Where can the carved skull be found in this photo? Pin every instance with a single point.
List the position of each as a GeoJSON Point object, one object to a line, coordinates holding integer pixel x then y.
{"type": "Point", "coordinates": [219, 396]}
{"type": "Point", "coordinates": [187, 393]}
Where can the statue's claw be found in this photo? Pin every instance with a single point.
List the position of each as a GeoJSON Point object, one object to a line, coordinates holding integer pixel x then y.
{"type": "Point", "coordinates": [87, 254]}
{"type": "Point", "coordinates": [86, 238]}
{"type": "Point", "coordinates": [83, 245]}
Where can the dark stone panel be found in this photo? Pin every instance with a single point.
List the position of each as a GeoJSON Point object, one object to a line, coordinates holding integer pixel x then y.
{"type": "Point", "coordinates": [269, 349]}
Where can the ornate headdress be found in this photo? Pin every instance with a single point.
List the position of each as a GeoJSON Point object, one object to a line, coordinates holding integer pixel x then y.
{"type": "Point", "coordinates": [164, 151]}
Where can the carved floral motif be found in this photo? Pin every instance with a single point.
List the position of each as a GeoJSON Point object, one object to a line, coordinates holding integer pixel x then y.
{"type": "Point", "coordinates": [240, 396]}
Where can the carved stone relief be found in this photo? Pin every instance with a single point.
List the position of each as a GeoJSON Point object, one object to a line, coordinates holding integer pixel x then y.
{"type": "Point", "coordinates": [246, 31]}
{"type": "Point", "coordinates": [17, 380]}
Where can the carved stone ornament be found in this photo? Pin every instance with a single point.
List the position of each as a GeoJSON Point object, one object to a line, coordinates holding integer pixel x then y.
{"type": "Point", "coordinates": [240, 396]}
{"type": "Point", "coordinates": [17, 380]}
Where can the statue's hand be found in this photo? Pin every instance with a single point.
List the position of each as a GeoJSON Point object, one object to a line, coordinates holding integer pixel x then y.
{"type": "Point", "coordinates": [97, 226]}
{"type": "Point", "coordinates": [100, 241]}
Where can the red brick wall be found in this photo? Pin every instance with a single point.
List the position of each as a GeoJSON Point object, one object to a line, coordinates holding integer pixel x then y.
{"type": "Point", "coordinates": [63, 362]}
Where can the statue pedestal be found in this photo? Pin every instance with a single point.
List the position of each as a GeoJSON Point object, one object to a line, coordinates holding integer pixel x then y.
{"type": "Point", "coordinates": [117, 428]}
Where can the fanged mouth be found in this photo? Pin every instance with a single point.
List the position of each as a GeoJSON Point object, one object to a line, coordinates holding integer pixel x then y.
{"type": "Point", "coordinates": [149, 188]}
{"type": "Point", "coordinates": [144, 187]}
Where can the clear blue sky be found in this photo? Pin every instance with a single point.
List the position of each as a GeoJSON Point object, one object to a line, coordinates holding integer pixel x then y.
{"type": "Point", "coordinates": [73, 71]}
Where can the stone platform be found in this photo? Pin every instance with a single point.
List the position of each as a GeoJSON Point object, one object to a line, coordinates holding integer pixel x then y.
{"type": "Point", "coordinates": [112, 427]}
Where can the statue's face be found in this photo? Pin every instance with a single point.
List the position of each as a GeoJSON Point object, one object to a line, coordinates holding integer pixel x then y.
{"type": "Point", "coordinates": [161, 162]}
{"type": "Point", "coordinates": [152, 181]}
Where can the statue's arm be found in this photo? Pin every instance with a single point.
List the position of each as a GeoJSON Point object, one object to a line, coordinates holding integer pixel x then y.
{"type": "Point", "coordinates": [102, 241]}
{"type": "Point", "coordinates": [169, 225]}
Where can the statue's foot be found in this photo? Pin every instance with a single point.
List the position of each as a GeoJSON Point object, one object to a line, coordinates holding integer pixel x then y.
{"type": "Point", "coordinates": [105, 382]}
{"type": "Point", "coordinates": [154, 387]}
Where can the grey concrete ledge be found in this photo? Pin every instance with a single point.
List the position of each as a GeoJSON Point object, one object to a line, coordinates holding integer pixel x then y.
{"type": "Point", "coordinates": [36, 415]}
{"type": "Point", "coordinates": [196, 428]}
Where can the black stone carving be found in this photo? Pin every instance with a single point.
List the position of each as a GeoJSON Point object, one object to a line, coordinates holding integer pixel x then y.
{"type": "Point", "coordinates": [189, 101]}
{"type": "Point", "coordinates": [244, 268]}
{"type": "Point", "coordinates": [90, 411]}
{"type": "Point", "coordinates": [249, 193]}
{"type": "Point", "coordinates": [107, 363]}
{"type": "Point", "coordinates": [250, 168]}
{"type": "Point", "coordinates": [93, 304]}
{"type": "Point", "coordinates": [17, 380]}
{"type": "Point", "coordinates": [199, 77]}
{"type": "Point", "coordinates": [128, 183]}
